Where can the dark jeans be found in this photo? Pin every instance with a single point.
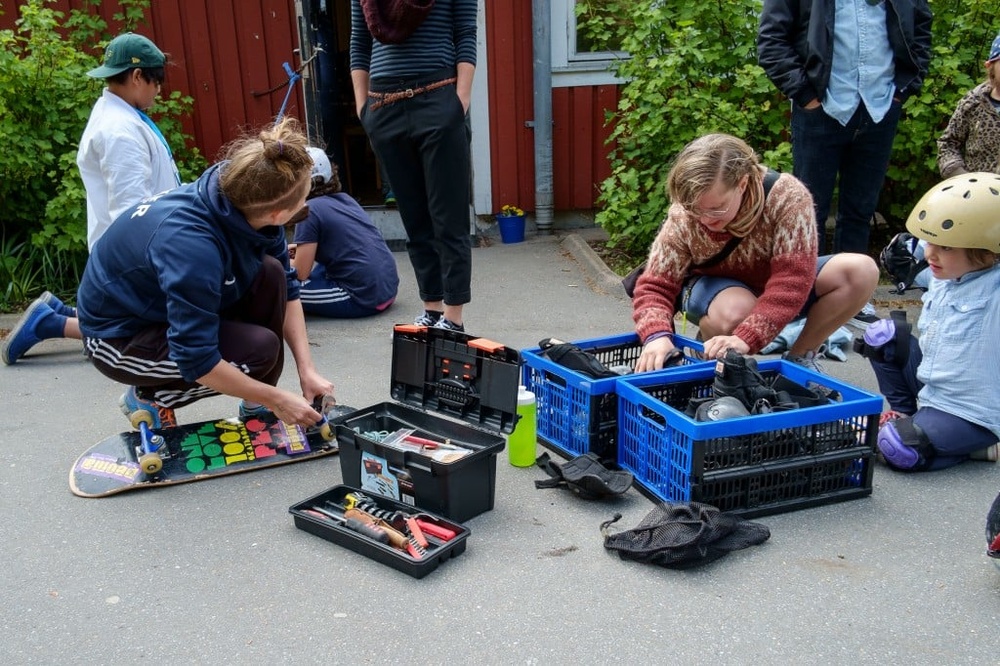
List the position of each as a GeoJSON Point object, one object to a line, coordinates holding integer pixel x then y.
{"type": "Point", "coordinates": [823, 149]}
{"type": "Point", "coordinates": [953, 438]}
{"type": "Point", "coordinates": [423, 143]}
{"type": "Point", "coordinates": [250, 338]}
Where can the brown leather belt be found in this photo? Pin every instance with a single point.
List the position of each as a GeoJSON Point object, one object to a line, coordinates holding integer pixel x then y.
{"type": "Point", "coordinates": [384, 99]}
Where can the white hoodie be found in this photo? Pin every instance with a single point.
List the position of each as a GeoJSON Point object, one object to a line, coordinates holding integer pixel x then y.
{"type": "Point", "coordinates": [122, 161]}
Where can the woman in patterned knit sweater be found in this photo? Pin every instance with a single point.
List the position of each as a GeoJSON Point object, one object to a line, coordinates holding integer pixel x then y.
{"type": "Point", "coordinates": [770, 278]}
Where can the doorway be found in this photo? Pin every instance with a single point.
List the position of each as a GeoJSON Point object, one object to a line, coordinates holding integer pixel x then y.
{"type": "Point", "coordinates": [331, 118]}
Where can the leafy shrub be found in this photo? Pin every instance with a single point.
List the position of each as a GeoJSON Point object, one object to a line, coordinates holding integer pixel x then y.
{"type": "Point", "coordinates": [45, 100]}
{"type": "Point", "coordinates": [693, 70]}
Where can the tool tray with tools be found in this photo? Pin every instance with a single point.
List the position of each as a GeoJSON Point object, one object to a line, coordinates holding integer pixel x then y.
{"type": "Point", "coordinates": [435, 447]}
{"type": "Point", "coordinates": [397, 535]}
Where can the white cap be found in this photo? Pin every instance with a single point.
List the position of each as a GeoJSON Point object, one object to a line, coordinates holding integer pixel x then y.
{"type": "Point", "coordinates": [321, 164]}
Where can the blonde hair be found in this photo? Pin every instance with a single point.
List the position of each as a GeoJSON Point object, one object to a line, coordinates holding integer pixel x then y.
{"type": "Point", "coordinates": [267, 171]}
{"type": "Point", "coordinates": [981, 258]}
{"type": "Point", "coordinates": [719, 158]}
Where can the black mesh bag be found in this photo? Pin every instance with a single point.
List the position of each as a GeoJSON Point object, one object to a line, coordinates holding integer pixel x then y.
{"type": "Point", "coordinates": [684, 535]}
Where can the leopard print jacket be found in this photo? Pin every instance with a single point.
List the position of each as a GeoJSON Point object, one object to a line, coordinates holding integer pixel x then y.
{"type": "Point", "coordinates": [971, 142]}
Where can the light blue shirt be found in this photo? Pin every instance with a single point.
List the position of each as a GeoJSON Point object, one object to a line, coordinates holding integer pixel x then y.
{"type": "Point", "coordinates": [862, 69]}
{"type": "Point", "coordinates": [959, 326]}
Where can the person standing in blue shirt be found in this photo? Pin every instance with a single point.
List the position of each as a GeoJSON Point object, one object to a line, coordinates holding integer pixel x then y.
{"type": "Point", "coordinates": [943, 390]}
{"type": "Point", "coordinates": [847, 66]}
{"type": "Point", "coordinates": [340, 256]}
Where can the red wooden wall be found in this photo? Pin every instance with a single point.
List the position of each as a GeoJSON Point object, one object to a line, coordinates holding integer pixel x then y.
{"type": "Point", "coordinates": [579, 157]}
{"type": "Point", "coordinates": [221, 52]}
{"type": "Point", "coordinates": [225, 50]}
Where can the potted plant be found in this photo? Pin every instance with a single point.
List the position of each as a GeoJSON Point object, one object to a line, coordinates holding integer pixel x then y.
{"type": "Point", "coordinates": [510, 219]}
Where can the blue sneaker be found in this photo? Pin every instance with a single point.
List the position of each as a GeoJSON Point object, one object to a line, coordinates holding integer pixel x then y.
{"type": "Point", "coordinates": [137, 410]}
{"type": "Point", "coordinates": [24, 336]}
{"type": "Point", "coordinates": [53, 302]}
{"type": "Point", "coordinates": [260, 411]}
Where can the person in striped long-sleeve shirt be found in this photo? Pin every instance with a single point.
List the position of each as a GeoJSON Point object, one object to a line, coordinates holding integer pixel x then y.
{"type": "Point", "coordinates": [412, 78]}
{"type": "Point", "coordinates": [770, 278]}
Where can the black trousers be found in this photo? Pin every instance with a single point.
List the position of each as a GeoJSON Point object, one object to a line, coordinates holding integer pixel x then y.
{"type": "Point", "coordinates": [423, 144]}
{"type": "Point", "coordinates": [250, 338]}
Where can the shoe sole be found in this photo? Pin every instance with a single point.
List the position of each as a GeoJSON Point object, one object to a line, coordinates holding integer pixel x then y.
{"type": "Point", "coordinates": [859, 324]}
{"type": "Point", "coordinates": [5, 351]}
{"type": "Point", "coordinates": [989, 454]}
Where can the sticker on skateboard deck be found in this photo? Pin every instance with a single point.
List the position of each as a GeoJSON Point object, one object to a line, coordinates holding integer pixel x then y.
{"type": "Point", "coordinates": [193, 452]}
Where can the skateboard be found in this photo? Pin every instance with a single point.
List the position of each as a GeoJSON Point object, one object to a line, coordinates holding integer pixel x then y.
{"type": "Point", "coordinates": [193, 452]}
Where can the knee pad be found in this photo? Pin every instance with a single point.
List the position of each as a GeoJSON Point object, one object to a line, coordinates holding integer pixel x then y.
{"type": "Point", "coordinates": [904, 445]}
{"type": "Point", "coordinates": [886, 340]}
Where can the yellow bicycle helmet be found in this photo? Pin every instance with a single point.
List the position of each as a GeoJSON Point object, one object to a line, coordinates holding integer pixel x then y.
{"type": "Point", "coordinates": [963, 211]}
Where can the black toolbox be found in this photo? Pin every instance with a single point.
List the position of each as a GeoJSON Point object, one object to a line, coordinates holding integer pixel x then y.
{"type": "Point", "coordinates": [453, 391]}
{"type": "Point", "coordinates": [441, 545]}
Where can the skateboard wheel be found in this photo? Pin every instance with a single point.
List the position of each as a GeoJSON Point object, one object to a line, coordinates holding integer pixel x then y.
{"type": "Point", "coordinates": [326, 432]}
{"type": "Point", "coordinates": [140, 416]}
{"type": "Point", "coordinates": [151, 463]}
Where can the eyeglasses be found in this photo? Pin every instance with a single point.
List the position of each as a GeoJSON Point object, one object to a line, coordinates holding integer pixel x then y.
{"type": "Point", "coordinates": [713, 214]}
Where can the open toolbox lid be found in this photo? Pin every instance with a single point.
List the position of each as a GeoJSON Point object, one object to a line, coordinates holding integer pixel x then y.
{"type": "Point", "coordinates": [456, 374]}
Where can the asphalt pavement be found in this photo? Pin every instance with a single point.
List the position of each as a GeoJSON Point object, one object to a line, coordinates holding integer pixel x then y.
{"type": "Point", "coordinates": [216, 572]}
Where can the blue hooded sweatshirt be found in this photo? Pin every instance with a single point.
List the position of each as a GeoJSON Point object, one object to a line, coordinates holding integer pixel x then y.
{"type": "Point", "coordinates": [179, 259]}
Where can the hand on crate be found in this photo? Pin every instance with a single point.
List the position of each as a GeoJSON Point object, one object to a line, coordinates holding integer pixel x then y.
{"type": "Point", "coordinates": [716, 347]}
{"type": "Point", "coordinates": [655, 354]}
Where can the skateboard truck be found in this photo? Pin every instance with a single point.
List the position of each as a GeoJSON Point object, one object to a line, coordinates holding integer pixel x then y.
{"type": "Point", "coordinates": [150, 444]}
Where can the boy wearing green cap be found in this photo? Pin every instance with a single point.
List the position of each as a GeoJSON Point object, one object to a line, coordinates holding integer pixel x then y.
{"type": "Point", "coordinates": [123, 159]}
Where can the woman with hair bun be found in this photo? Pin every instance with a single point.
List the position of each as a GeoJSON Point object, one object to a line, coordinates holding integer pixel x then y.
{"type": "Point", "coordinates": [190, 294]}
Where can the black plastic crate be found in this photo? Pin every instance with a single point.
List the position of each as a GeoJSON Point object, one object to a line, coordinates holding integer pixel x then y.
{"type": "Point", "coordinates": [760, 490]}
{"type": "Point", "coordinates": [438, 551]}
{"type": "Point", "coordinates": [459, 391]}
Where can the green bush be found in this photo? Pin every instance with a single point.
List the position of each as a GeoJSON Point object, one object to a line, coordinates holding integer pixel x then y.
{"type": "Point", "coordinates": [45, 100]}
{"type": "Point", "coordinates": [693, 70]}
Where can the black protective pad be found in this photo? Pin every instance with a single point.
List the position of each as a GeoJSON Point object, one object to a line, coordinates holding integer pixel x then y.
{"type": "Point", "coordinates": [585, 476]}
{"type": "Point", "coordinates": [572, 357]}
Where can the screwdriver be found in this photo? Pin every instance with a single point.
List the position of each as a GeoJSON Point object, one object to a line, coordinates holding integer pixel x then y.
{"type": "Point", "coordinates": [370, 531]}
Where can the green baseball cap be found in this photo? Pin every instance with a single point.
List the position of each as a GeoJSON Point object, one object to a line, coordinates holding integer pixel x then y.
{"type": "Point", "coordinates": [128, 51]}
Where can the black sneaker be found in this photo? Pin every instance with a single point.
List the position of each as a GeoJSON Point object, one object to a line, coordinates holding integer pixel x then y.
{"type": "Point", "coordinates": [865, 317]}
{"type": "Point", "coordinates": [449, 325]}
{"type": "Point", "coordinates": [428, 318]}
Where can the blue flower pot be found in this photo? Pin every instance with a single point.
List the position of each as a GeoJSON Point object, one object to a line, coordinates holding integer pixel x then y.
{"type": "Point", "coordinates": [511, 228]}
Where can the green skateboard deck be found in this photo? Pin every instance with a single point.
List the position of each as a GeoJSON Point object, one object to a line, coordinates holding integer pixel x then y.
{"type": "Point", "coordinates": [193, 452]}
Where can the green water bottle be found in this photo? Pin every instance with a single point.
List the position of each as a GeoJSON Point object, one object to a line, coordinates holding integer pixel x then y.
{"type": "Point", "coordinates": [521, 443]}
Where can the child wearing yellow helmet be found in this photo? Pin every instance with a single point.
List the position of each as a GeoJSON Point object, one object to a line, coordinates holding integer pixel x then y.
{"type": "Point", "coordinates": [942, 389]}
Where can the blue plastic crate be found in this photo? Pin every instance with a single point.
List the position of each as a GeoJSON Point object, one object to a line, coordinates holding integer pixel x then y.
{"type": "Point", "coordinates": [751, 465]}
{"type": "Point", "coordinates": [578, 414]}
